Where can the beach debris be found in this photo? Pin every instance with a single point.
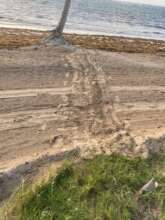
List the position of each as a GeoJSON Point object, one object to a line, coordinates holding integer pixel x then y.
{"type": "Point", "coordinates": [56, 140]}
{"type": "Point", "coordinates": [149, 187]}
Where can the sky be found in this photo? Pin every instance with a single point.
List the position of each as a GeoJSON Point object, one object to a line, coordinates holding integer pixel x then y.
{"type": "Point", "coordinates": [150, 2]}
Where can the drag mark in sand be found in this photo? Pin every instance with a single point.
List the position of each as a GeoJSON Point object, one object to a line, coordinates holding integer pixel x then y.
{"type": "Point", "coordinates": [4, 94]}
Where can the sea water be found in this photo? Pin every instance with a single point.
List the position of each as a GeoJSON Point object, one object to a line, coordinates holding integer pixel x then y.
{"type": "Point", "coordinates": [105, 17]}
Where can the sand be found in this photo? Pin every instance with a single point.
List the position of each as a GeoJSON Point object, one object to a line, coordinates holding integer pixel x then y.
{"type": "Point", "coordinates": [42, 110]}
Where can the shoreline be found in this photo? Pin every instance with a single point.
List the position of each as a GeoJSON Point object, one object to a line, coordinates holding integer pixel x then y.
{"type": "Point", "coordinates": [78, 32]}
{"type": "Point", "coordinates": [11, 38]}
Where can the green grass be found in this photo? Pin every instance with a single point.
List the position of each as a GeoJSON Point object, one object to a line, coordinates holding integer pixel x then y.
{"type": "Point", "coordinates": [104, 188]}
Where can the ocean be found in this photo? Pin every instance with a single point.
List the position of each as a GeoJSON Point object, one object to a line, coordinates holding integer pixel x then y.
{"type": "Point", "coordinates": [104, 17]}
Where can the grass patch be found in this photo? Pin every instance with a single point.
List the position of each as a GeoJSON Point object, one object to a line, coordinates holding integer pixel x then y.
{"type": "Point", "coordinates": [104, 188]}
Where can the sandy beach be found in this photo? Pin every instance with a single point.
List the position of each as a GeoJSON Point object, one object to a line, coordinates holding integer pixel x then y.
{"type": "Point", "coordinates": [38, 100]}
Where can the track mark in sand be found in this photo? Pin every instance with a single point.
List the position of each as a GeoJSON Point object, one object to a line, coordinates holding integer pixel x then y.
{"type": "Point", "coordinates": [29, 118]}
{"type": "Point", "coordinates": [137, 88]}
{"type": "Point", "coordinates": [4, 94]}
{"type": "Point", "coordinates": [141, 107]}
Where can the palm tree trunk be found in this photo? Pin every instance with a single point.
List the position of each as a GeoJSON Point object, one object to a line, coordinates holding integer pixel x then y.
{"type": "Point", "coordinates": [59, 30]}
{"type": "Point", "coordinates": [56, 36]}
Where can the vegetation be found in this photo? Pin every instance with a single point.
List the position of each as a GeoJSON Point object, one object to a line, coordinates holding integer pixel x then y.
{"type": "Point", "coordinates": [104, 188]}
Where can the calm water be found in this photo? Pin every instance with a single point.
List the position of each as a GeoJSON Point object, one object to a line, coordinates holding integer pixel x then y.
{"type": "Point", "coordinates": [87, 16]}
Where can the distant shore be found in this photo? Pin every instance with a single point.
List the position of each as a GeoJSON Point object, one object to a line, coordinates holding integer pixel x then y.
{"type": "Point", "coordinates": [11, 38]}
